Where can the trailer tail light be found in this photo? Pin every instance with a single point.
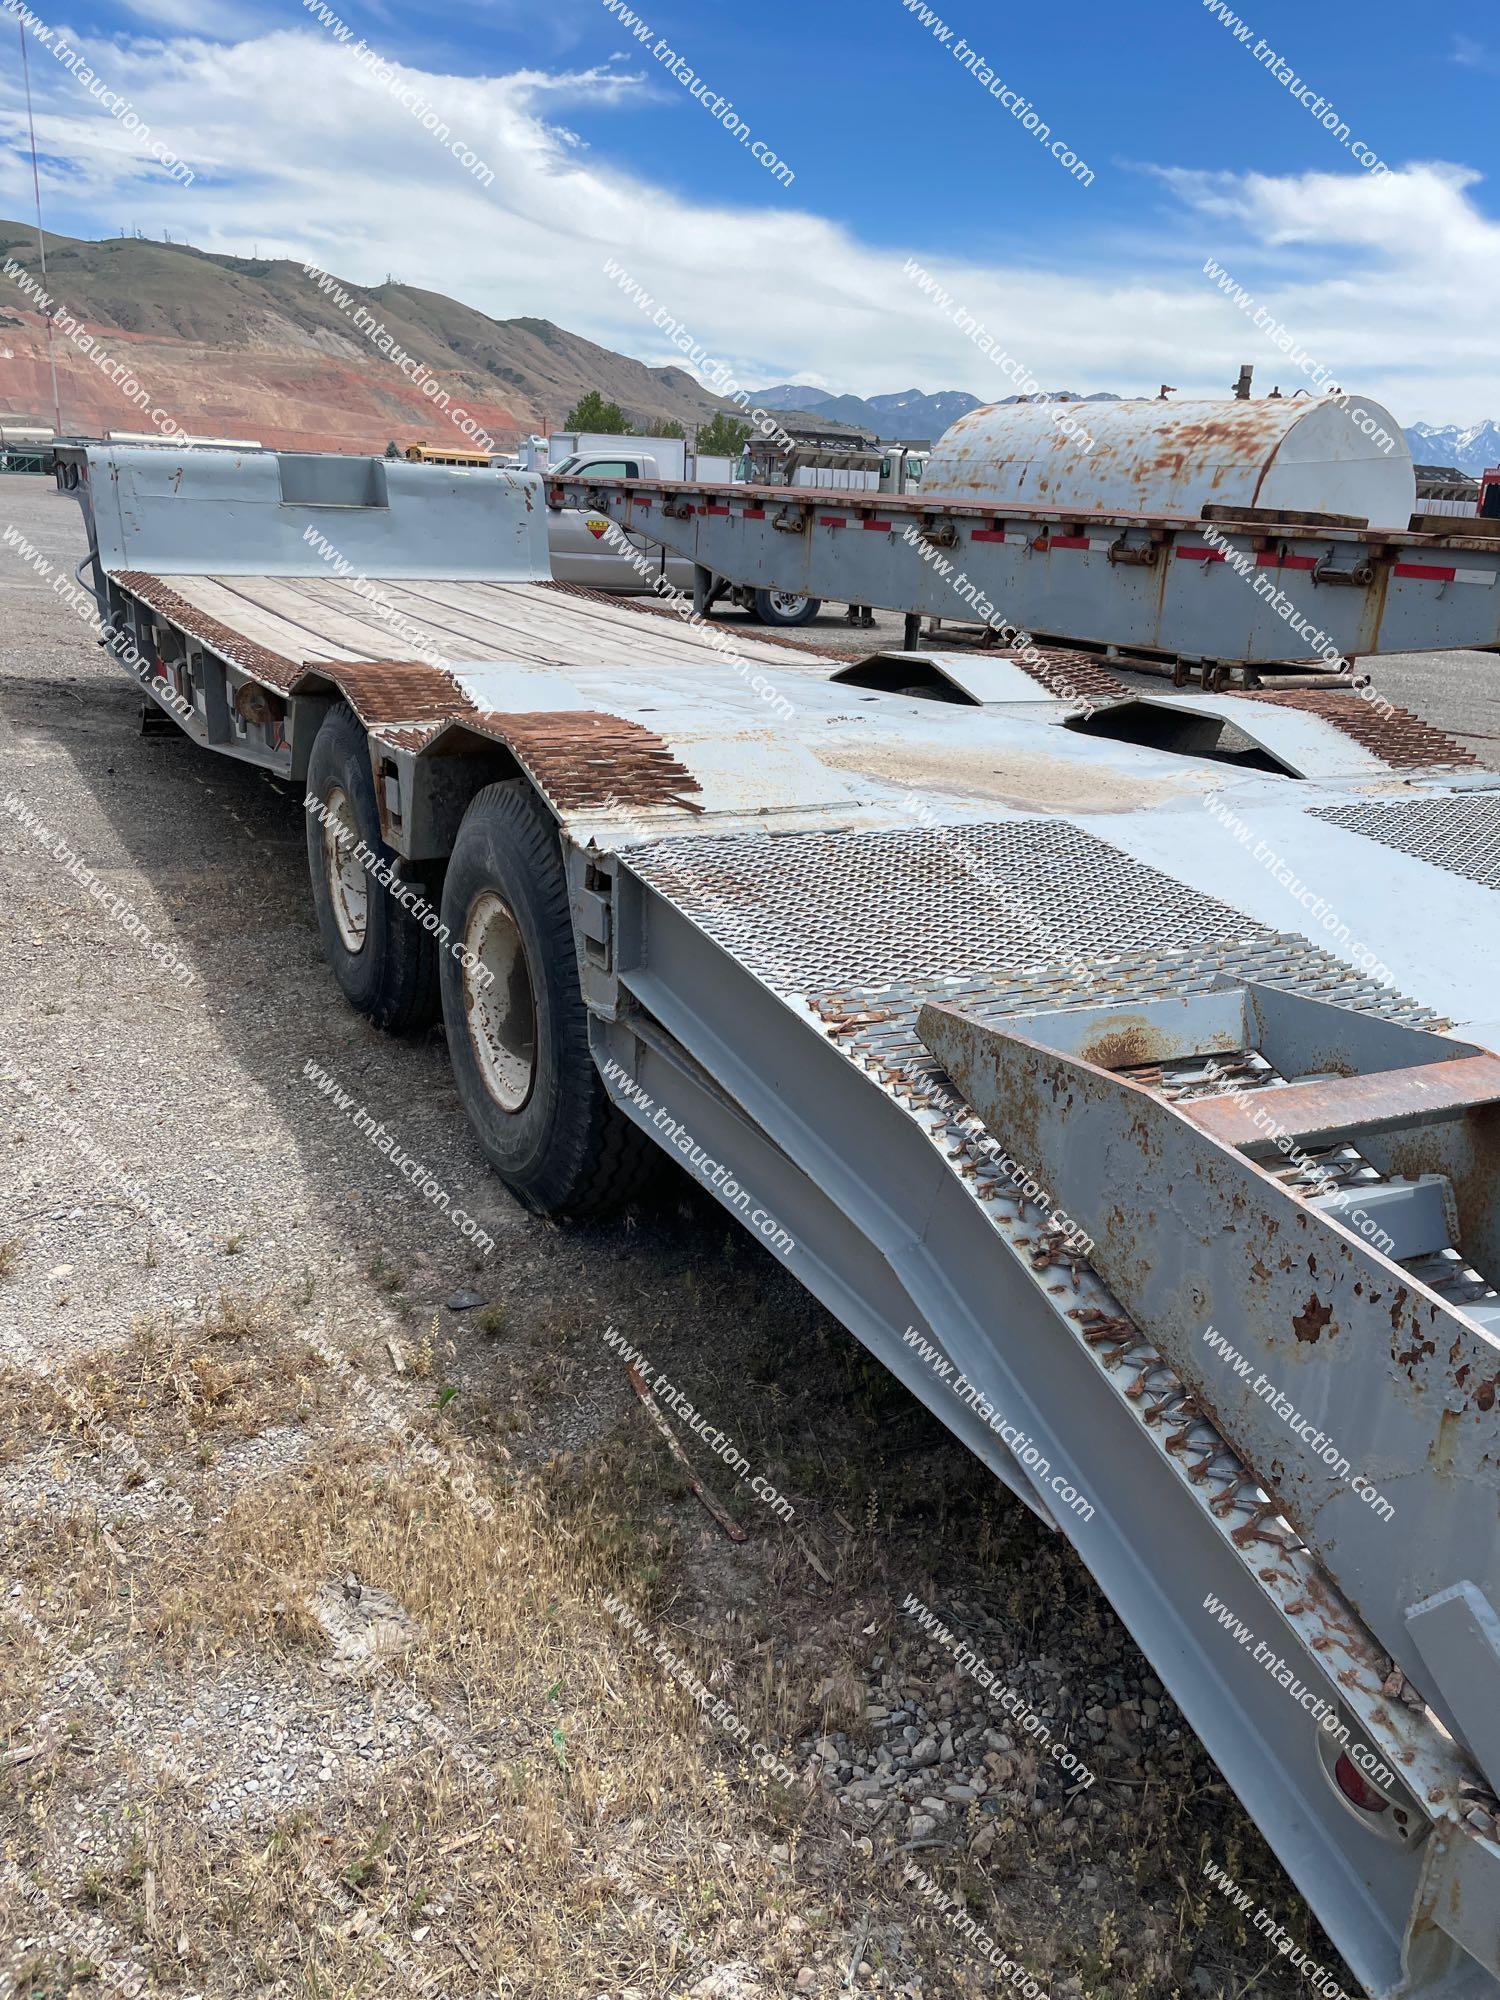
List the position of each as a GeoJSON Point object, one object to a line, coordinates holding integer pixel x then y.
{"type": "Point", "coordinates": [1356, 1789]}
{"type": "Point", "coordinates": [1385, 1810]}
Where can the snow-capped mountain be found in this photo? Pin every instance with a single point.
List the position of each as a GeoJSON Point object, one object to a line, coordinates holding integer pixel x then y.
{"type": "Point", "coordinates": [914, 413]}
{"type": "Point", "coordinates": [791, 396]}
{"type": "Point", "coordinates": [1473, 448]}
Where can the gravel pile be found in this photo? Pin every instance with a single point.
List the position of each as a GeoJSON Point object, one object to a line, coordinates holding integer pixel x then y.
{"type": "Point", "coordinates": [944, 1759]}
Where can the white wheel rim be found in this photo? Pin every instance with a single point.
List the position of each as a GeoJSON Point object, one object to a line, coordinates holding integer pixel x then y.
{"type": "Point", "coordinates": [500, 1009]}
{"type": "Point", "coordinates": [348, 888]}
{"type": "Point", "coordinates": [786, 603]}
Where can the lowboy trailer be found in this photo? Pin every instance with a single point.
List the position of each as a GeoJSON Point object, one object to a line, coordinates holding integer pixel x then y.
{"type": "Point", "coordinates": [926, 956]}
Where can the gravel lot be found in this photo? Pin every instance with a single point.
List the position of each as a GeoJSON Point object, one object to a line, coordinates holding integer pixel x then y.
{"type": "Point", "coordinates": [239, 1538]}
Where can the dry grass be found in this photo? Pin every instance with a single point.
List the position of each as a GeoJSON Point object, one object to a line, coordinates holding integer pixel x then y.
{"type": "Point", "coordinates": [566, 1790]}
{"type": "Point", "coordinates": [563, 1815]}
{"type": "Point", "coordinates": [557, 1820]}
{"type": "Point", "coordinates": [171, 1385]}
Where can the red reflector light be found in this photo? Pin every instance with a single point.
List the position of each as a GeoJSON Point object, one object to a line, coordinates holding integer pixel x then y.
{"type": "Point", "coordinates": [1355, 1789]}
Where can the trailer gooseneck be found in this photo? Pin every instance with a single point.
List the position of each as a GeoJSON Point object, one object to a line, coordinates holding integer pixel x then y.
{"type": "Point", "coordinates": [922, 918]}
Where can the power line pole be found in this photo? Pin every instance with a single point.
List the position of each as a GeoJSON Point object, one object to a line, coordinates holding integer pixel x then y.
{"type": "Point", "coordinates": [41, 241]}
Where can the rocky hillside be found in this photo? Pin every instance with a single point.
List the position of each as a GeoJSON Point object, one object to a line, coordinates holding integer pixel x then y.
{"type": "Point", "coordinates": [251, 347]}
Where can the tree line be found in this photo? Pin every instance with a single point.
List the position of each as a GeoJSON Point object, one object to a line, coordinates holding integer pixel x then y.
{"type": "Point", "coordinates": [723, 436]}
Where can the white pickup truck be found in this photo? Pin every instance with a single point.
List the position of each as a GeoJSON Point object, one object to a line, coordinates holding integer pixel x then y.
{"type": "Point", "coordinates": [584, 551]}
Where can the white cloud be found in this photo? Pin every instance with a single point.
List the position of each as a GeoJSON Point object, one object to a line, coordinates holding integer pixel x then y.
{"type": "Point", "coordinates": [1469, 54]}
{"type": "Point", "coordinates": [1390, 281]}
{"type": "Point", "coordinates": [1417, 218]}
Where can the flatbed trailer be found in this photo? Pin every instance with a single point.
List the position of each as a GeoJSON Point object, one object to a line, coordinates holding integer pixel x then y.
{"type": "Point", "coordinates": [1159, 586]}
{"type": "Point", "coordinates": [927, 961]}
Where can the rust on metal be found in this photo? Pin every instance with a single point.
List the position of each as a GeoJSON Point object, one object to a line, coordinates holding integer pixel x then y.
{"type": "Point", "coordinates": [1253, 519]}
{"type": "Point", "coordinates": [389, 690]}
{"type": "Point", "coordinates": [1308, 1325]}
{"type": "Point", "coordinates": [1072, 675]}
{"type": "Point", "coordinates": [582, 758]}
{"type": "Point", "coordinates": [1292, 517]}
{"type": "Point", "coordinates": [1342, 1106]}
{"type": "Point", "coordinates": [1245, 436]}
{"type": "Point", "coordinates": [378, 690]}
{"type": "Point", "coordinates": [412, 736]}
{"type": "Point", "coordinates": [1393, 734]}
{"type": "Point", "coordinates": [273, 669]}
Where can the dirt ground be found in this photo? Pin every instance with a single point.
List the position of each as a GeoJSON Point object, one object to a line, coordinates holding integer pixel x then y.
{"type": "Point", "coordinates": [337, 1548]}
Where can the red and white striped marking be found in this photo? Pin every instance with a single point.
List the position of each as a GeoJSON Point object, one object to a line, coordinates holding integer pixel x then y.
{"type": "Point", "coordinates": [1441, 573]}
{"type": "Point", "coordinates": [1047, 539]}
{"type": "Point", "coordinates": [1483, 579]}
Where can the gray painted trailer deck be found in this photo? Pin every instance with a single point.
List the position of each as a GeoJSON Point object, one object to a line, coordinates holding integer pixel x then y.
{"type": "Point", "coordinates": [870, 936]}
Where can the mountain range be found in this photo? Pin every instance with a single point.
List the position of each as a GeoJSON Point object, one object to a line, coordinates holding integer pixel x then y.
{"type": "Point", "coordinates": [251, 347]}
{"type": "Point", "coordinates": [911, 413]}
{"type": "Point", "coordinates": [1473, 448]}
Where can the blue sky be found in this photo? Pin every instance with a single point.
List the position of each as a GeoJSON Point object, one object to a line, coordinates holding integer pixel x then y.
{"type": "Point", "coordinates": [1197, 151]}
{"type": "Point", "coordinates": [889, 134]}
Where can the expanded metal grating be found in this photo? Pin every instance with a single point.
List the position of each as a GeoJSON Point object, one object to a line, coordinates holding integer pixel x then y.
{"type": "Point", "coordinates": [1459, 834]}
{"type": "Point", "coordinates": [390, 690]}
{"type": "Point", "coordinates": [274, 670]}
{"type": "Point", "coordinates": [878, 1029]}
{"type": "Point", "coordinates": [817, 912]}
{"type": "Point", "coordinates": [1394, 735]}
{"type": "Point", "coordinates": [583, 758]}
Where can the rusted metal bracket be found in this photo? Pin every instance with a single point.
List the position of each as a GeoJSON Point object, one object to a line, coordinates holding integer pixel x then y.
{"type": "Point", "coordinates": [1315, 1114]}
{"type": "Point", "coordinates": [1359, 576]}
{"type": "Point", "coordinates": [939, 535]}
{"type": "Point", "coordinates": [1143, 555]}
{"type": "Point", "coordinates": [1459, 1636]}
{"type": "Point", "coordinates": [1459, 1897]}
{"type": "Point", "coordinates": [1324, 1363]}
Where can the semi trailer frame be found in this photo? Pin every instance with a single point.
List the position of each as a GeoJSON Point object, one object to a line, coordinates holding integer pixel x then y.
{"type": "Point", "coordinates": [1153, 586]}
{"type": "Point", "coordinates": [875, 935]}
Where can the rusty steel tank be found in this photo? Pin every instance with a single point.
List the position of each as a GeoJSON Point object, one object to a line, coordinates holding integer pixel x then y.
{"type": "Point", "coordinates": [1325, 455]}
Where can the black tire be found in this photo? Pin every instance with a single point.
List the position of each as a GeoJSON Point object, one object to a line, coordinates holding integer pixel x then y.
{"type": "Point", "coordinates": [562, 1148]}
{"type": "Point", "coordinates": [769, 612]}
{"type": "Point", "coordinates": [392, 974]}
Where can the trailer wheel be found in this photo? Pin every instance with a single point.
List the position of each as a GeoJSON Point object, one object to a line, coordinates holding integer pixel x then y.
{"type": "Point", "coordinates": [517, 1025]}
{"type": "Point", "coordinates": [785, 607]}
{"type": "Point", "coordinates": [383, 959]}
